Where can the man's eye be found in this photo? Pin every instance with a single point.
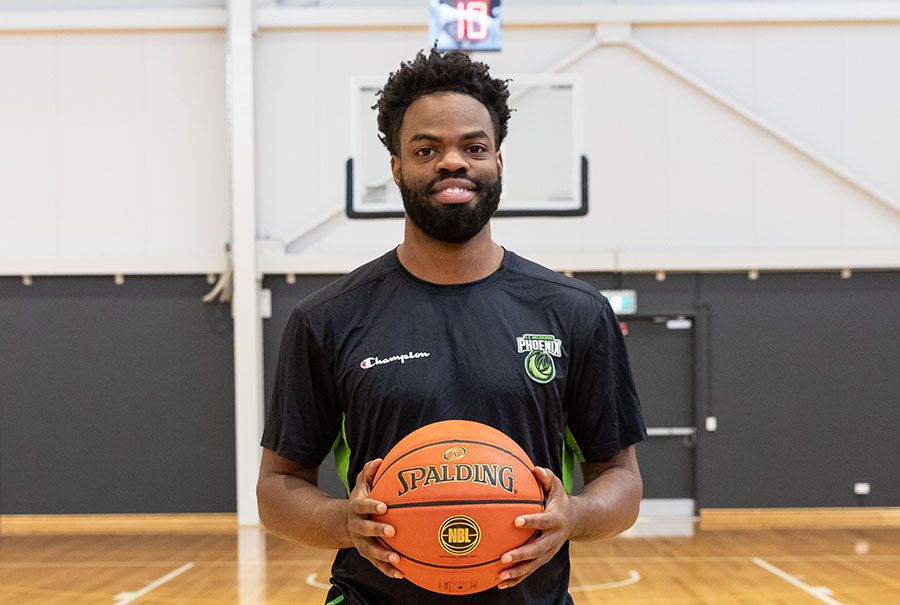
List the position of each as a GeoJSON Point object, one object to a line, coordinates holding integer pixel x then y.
{"type": "Point", "coordinates": [424, 152]}
{"type": "Point", "coordinates": [477, 149]}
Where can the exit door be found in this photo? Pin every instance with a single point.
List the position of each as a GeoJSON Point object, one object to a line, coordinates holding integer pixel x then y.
{"type": "Point", "coordinates": [662, 360]}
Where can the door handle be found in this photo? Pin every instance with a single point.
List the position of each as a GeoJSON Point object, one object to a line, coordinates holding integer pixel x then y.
{"type": "Point", "coordinates": [672, 431]}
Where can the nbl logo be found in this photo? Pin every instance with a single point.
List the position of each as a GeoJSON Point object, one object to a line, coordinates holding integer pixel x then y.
{"type": "Point", "coordinates": [459, 535]}
{"type": "Point", "coordinates": [541, 349]}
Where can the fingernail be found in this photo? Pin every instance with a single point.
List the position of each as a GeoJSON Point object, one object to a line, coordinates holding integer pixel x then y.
{"type": "Point", "coordinates": [388, 531]}
{"type": "Point", "coordinates": [506, 559]}
{"type": "Point", "coordinates": [504, 576]}
{"type": "Point", "coordinates": [393, 558]}
{"type": "Point", "coordinates": [502, 586]}
{"type": "Point", "coordinates": [398, 575]}
{"type": "Point", "coordinates": [520, 521]}
{"type": "Point", "coordinates": [381, 508]}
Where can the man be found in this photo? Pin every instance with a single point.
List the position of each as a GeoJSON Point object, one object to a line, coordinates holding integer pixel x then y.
{"type": "Point", "coordinates": [443, 328]}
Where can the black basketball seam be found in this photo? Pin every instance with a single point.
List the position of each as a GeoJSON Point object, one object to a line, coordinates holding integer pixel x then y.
{"type": "Point", "coordinates": [382, 473]}
{"type": "Point", "coordinates": [463, 503]}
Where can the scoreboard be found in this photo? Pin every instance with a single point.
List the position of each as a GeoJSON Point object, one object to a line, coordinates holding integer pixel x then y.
{"type": "Point", "coordinates": [465, 25]}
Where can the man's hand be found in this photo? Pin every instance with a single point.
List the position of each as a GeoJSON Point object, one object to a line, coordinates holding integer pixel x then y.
{"type": "Point", "coordinates": [556, 524]}
{"type": "Point", "coordinates": [608, 506]}
{"type": "Point", "coordinates": [363, 530]}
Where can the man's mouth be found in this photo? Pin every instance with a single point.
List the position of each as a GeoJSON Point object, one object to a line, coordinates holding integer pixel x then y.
{"type": "Point", "coordinates": [453, 191]}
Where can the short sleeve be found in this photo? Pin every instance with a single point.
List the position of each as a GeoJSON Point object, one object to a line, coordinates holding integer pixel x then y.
{"type": "Point", "coordinates": [604, 412]}
{"type": "Point", "coordinates": [304, 418]}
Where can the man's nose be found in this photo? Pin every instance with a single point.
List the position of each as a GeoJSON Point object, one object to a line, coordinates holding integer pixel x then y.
{"type": "Point", "coordinates": [452, 161]}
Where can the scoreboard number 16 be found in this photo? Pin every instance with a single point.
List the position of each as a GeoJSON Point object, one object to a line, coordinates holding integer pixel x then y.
{"type": "Point", "coordinates": [469, 24]}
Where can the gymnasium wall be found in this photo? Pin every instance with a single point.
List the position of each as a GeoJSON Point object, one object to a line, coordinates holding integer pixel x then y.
{"type": "Point", "coordinates": [803, 376]}
{"type": "Point", "coordinates": [115, 398]}
{"type": "Point", "coordinates": [732, 138]}
{"type": "Point", "coordinates": [119, 398]}
{"type": "Point", "coordinates": [719, 146]}
{"type": "Point", "coordinates": [114, 145]}
{"type": "Point", "coordinates": [673, 170]}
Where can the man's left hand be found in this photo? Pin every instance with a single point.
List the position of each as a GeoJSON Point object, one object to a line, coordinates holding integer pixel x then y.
{"type": "Point", "coordinates": [556, 525]}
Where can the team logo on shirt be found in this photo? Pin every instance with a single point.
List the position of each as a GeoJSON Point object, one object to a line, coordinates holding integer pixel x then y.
{"type": "Point", "coordinates": [541, 349]}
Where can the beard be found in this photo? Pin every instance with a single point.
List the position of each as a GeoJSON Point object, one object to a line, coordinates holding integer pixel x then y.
{"type": "Point", "coordinates": [451, 223]}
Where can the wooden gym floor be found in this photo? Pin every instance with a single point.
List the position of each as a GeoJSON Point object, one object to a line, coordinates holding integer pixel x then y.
{"type": "Point", "coordinates": [656, 563]}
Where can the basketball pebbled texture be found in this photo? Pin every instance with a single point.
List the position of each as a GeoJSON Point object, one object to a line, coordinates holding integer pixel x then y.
{"type": "Point", "coordinates": [453, 491]}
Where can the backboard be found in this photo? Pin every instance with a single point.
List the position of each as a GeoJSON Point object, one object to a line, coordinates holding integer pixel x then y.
{"type": "Point", "coordinates": [544, 169]}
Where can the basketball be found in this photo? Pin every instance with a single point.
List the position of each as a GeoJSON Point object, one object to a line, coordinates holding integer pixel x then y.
{"type": "Point", "coordinates": [453, 491]}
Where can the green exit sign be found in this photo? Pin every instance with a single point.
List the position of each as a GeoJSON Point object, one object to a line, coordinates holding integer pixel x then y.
{"type": "Point", "coordinates": [623, 302]}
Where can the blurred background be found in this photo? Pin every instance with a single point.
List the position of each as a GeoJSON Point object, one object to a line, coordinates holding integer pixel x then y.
{"type": "Point", "coordinates": [176, 175]}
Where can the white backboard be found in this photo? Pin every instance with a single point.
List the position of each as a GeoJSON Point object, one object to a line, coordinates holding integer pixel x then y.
{"type": "Point", "coordinates": [544, 170]}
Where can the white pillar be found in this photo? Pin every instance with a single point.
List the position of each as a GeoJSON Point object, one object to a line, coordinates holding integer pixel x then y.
{"type": "Point", "coordinates": [248, 375]}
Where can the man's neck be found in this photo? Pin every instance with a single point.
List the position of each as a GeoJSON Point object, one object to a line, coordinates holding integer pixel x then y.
{"type": "Point", "coordinates": [442, 263]}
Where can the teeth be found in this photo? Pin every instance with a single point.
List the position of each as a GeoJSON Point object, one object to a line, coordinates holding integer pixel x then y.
{"type": "Point", "coordinates": [455, 190]}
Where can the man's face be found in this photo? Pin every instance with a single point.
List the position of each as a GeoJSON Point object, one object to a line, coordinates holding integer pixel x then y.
{"type": "Point", "coordinates": [449, 168]}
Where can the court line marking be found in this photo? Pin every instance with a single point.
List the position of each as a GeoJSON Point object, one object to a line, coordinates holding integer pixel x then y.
{"type": "Point", "coordinates": [633, 577]}
{"type": "Point", "coordinates": [312, 580]}
{"type": "Point", "coordinates": [124, 598]}
{"type": "Point", "coordinates": [823, 593]}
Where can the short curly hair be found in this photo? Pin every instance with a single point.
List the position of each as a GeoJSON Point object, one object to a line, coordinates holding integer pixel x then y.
{"type": "Point", "coordinates": [438, 71]}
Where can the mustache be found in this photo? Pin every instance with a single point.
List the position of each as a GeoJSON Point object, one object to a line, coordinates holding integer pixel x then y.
{"type": "Point", "coordinates": [458, 174]}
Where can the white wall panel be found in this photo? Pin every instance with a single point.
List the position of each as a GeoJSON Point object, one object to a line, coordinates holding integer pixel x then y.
{"type": "Point", "coordinates": [527, 53]}
{"type": "Point", "coordinates": [101, 141]}
{"type": "Point", "coordinates": [869, 225]}
{"type": "Point", "coordinates": [303, 115]}
{"type": "Point", "coordinates": [835, 89]}
{"type": "Point", "coordinates": [726, 56]}
{"type": "Point", "coordinates": [800, 82]}
{"type": "Point", "coordinates": [288, 184]}
{"type": "Point", "coordinates": [362, 239]}
{"type": "Point", "coordinates": [114, 145]}
{"type": "Point", "coordinates": [710, 166]}
{"type": "Point", "coordinates": [107, 4]}
{"type": "Point", "coordinates": [28, 211]}
{"type": "Point", "coordinates": [872, 103]}
{"type": "Point", "coordinates": [799, 205]}
{"type": "Point", "coordinates": [626, 120]}
{"type": "Point", "coordinates": [186, 164]}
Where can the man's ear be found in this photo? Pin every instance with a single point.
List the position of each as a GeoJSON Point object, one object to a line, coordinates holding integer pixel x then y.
{"type": "Point", "coordinates": [395, 168]}
{"type": "Point", "coordinates": [499, 163]}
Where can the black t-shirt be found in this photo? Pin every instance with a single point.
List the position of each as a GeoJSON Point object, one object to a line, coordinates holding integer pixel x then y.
{"type": "Point", "coordinates": [379, 353]}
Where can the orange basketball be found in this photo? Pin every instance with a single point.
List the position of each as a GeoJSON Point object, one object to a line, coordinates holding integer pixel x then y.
{"type": "Point", "coordinates": [453, 491]}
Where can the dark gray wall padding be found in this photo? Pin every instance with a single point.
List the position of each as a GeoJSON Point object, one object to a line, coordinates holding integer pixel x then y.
{"type": "Point", "coordinates": [115, 399]}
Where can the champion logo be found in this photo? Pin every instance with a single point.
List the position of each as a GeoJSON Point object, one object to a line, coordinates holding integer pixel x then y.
{"type": "Point", "coordinates": [369, 362]}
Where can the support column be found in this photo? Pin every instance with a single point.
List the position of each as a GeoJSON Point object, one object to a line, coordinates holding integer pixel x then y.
{"type": "Point", "coordinates": [248, 374]}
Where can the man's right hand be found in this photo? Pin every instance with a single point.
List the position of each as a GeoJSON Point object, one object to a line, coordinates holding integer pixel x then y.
{"type": "Point", "coordinates": [363, 530]}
